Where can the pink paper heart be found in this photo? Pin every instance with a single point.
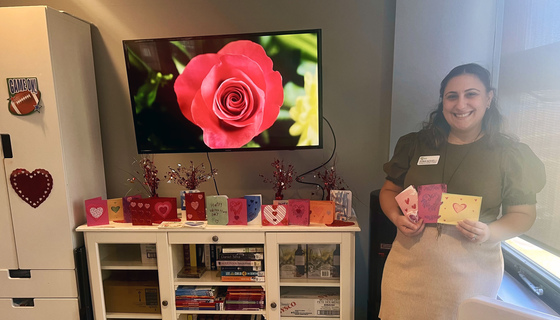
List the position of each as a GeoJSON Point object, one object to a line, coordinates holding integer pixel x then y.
{"type": "Point", "coordinates": [163, 208]}
{"type": "Point", "coordinates": [140, 205]}
{"type": "Point", "coordinates": [189, 216]}
{"type": "Point", "coordinates": [147, 205]}
{"type": "Point", "coordinates": [96, 212]}
{"type": "Point", "coordinates": [194, 205]}
{"type": "Point", "coordinates": [459, 207]}
{"type": "Point", "coordinates": [133, 204]}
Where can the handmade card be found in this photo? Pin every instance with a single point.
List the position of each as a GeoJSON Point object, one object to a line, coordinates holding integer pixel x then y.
{"type": "Point", "coordinates": [140, 212]}
{"type": "Point", "coordinates": [274, 215]}
{"type": "Point", "coordinates": [342, 204]}
{"type": "Point", "coordinates": [116, 210]}
{"type": "Point", "coordinates": [237, 211]}
{"type": "Point", "coordinates": [182, 197]}
{"type": "Point", "coordinates": [321, 211]}
{"type": "Point", "coordinates": [195, 206]}
{"type": "Point", "coordinates": [408, 202]}
{"type": "Point", "coordinates": [254, 202]}
{"type": "Point", "coordinates": [429, 200]}
{"type": "Point", "coordinates": [164, 209]}
{"type": "Point", "coordinates": [298, 212]}
{"type": "Point", "coordinates": [96, 212]}
{"type": "Point", "coordinates": [126, 206]}
{"type": "Point", "coordinates": [217, 210]}
{"type": "Point", "coordinates": [457, 207]}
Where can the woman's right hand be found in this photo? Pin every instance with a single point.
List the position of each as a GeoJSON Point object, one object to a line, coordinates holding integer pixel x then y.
{"type": "Point", "coordinates": [407, 227]}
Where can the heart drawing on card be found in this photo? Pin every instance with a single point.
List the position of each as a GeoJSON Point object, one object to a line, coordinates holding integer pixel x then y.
{"type": "Point", "coordinates": [96, 212]}
{"type": "Point", "coordinates": [32, 187]}
{"type": "Point", "coordinates": [115, 209]}
{"type": "Point", "coordinates": [163, 208]}
{"type": "Point", "coordinates": [459, 207]}
{"type": "Point", "coordinates": [274, 214]}
{"type": "Point", "coordinates": [195, 205]}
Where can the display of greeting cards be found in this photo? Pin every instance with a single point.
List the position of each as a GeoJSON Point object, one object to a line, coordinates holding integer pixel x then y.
{"type": "Point", "coordinates": [321, 211]}
{"type": "Point", "coordinates": [217, 210]}
{"type": "Point", "coordinates": [274, 215]}
{"type": "Point", "coordinates": [298, 212]}
{"type": "Point", "coordinates": [116, 210]}
{"type": "Point", "coordinates": [408, 202]}
{"type": "Point", "coordinates": [457, 207]}
{"type": "Point", "coordinates": [96, 212]}
{"type": "Point", "coordinates": [429, 200]}
{"type": "Point", "coordinates": [254, 202]}
{"type": "Point", "coordinates": [195, 206]}
{"type": "Point", "coordinates": [237, 211]}
{"type": "Point", "coordinates": [342, 204]}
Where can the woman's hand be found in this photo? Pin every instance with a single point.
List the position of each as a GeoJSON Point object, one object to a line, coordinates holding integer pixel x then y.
{"type": "Point", "coordinates": [474, 231]}
{"type": "Point", "coordinates": [407, 227]}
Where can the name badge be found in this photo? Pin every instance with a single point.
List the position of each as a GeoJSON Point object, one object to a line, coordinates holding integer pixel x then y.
{"type": "Point", "coordinates": [428, 160]}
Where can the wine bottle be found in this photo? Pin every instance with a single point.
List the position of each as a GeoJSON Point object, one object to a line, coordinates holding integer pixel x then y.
{"type": "Point", "coordinates": [300, 261]}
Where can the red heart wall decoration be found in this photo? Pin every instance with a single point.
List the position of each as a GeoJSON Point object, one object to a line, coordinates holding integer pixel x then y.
{"type": "Point", "coordinates": [32, 187]}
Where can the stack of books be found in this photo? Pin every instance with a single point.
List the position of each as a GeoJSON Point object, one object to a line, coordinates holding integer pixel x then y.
{"type": "Point", "coordinates": [241, 263]}
{"type": "Point", "coordinates": [245, 298]}
{"type": "Point", "coordinates": [197, 298]}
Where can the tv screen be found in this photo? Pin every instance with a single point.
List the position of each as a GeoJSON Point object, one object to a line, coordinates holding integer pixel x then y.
{"type": "Point", "coordinates": [257, 91]}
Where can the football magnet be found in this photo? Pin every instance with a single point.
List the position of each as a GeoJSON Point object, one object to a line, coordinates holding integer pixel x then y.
{"type": "Point", "coordinates": [25, 96]}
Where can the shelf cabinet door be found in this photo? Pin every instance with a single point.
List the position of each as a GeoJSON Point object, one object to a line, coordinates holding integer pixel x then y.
{"type": "Point", "coordinates": [276, 284]}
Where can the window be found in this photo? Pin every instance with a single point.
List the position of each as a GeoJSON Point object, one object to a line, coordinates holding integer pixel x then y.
{"type": "Point", "coordinates": [529, 96]}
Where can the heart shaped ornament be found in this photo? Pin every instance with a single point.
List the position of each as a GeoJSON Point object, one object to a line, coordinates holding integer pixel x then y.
{"type": "Point", "coordinates": [32, 187]}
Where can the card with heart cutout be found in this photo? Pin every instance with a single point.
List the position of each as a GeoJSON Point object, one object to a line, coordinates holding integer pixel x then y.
{"type": "Point", "coordinates": [298, 212]}
{"type": "Point", "coordinates": [164, 209]}
{"type": "Point", "coordinates": [457, 207]}
{"type": "Point", "coordinates": [254, 202]}
{"type": "Point", "coordinates": [195, 206]}
{"type": "Point", "coordinates": [141, 212]}
{"type": "Point", "coordinates": [342, 204]}
{"type": "Point", "coordinates": [32, 187]}
{"type": "Point", "coordinates": [126, 207]}
{"type": "Point", "coordinates": [217, 210]}
{"type": "Point", "coordinates": [429, 201]}
{"type": "Point", "coordinates": [116, 210]}
{"type": "Point", "coordinates": [237, 211]}
{"type": "Point", "coordinates": [321, 211]}
{"type": "Point", "coordinates": [408, 202]}
{"type": "Point", "coordinates": [96, 212]}
{"type": "Point", "coordinates": [274, 215]}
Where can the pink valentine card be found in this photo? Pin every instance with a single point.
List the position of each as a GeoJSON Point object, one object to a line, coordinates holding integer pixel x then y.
{"type": "Point", "coordinates": [164, 209]}
{"type": "Point", "coordinates": [274, 215]}
{"type": "Point", "coordinates": [96, 212]}
{"type": "Point", "coordinates": [140, 212]}
{"type": "Point", "coordinates": [126, 206]}
{"type": "Point", "coordinates": [115, 208]}
{"type": "Point", "coordinates": [237, 211]}
{"type": "Point", "coordinates": [298, 212]}
{"type": "Point", "coordinates": [408, 202]}
{"type": "Point", "coordinates": [195, 206]}
{"type": "Point", "coordinates": [321, 211]}
{"type": "Point", "coordinates": [429, 201]}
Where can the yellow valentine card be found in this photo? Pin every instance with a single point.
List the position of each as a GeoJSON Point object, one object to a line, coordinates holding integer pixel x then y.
{"type": "Point", "coordinates": [457, 207]}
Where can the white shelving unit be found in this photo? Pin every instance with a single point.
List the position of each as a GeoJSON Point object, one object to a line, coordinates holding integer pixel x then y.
{"type": "Point", "coordinates": [115, 247]}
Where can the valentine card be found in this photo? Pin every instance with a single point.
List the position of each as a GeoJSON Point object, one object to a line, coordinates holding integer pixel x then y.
{"type": "Point", "coordinates": [408, 202]}
{"type": "Point", "coordinates": [457, 207]}
{"type": "Point", "coordinates": [126, 206]}
{"type": "Point", "coordinates": [321, 211]}
{"type": "Point", "coordinates": [140, 212]}
{"type": "Point", "coordinates": [254, 202]}
{"type": "Point", "coordinates": [298, 212]}
{"type": "Point", "coordinates": [116, 211]}
{"type": "Point", "coordinates": [217, 210]}
{"type": "Point", "coordinates": [195, 206]}
{"type": "Point", "coordinates": [182, 197]}
{"type": "Point", "coordinates": [164, 209]}
{"type": "Point", "coordinates": [274, 215]}
{"type": "Point", "coordinates": [429, 200]}
{"type": "Point", "coordinates": [342, 204]}
{"type": "Point", "coordinates": [96, 212]}
{"type": "Point", "coordinates": [237, 211]}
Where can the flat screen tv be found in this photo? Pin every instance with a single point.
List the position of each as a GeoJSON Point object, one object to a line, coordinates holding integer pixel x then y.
{"type": "Point", "coordinates": [236, 92]}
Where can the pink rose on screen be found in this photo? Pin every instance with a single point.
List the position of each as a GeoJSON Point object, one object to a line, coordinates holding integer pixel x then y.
{"type": "Point", "coordinates": [232, 95]}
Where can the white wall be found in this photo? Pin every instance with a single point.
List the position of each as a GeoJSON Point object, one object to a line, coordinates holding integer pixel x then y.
{"type": "Point", "coordinates": [431, 38]}
{"type": "Point", "coordinates": [357, 57]}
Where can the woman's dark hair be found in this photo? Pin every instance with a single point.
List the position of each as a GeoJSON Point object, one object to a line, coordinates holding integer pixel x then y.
{"type": "Point", "coordinates": [436, 129]}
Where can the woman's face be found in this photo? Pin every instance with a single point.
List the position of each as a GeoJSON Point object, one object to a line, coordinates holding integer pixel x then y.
{"type": "Point", "coordinates": [465, 101]}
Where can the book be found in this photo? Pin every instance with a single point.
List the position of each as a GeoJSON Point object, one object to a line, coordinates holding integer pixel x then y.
{"type": "Point", "coordinates": [195, 290]}
{"type": "Point", "coordinates": [243, 273]}
{"type": "Point", "coordinates": [220, 263]}
{"type": "Point", "coordinates": [213, 255]}
{"type": "Point", "coordinates": [241, 268]}
{"type": "Point", "coordinates": [242, 278]}
{"type": "Point", "coordinates": [241, 256]}
{"type": "Point", "coordinates": [230, 249]}
{"type": "Point", "coordinates": [191, 272]}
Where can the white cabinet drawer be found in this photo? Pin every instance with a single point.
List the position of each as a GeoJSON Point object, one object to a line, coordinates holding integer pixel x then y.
{"type": "Point", "coordinates": [42, 283]}
{"type": "Point", "coordinates": [42, 309]}
{"type": "Point", "coordinates": [216, 237]}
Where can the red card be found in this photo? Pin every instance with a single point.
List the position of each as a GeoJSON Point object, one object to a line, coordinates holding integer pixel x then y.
{"type": "Point", "coordinates": [195, 206]}
{"type": "Point", "coordinates": [298, 212]}
{"type": "Point", "coordinates": [429, 201]}
{"type": "Point", "coordinates": [140, 212]}
{"type": "Point", "coordinates": [237, 211]}
{"type": "Point", "coordinates": [274, 215]}
{"type": "Point", "coordinates": [126, 206]}
{"type": "Point", "coordinates": [164, 209]}
{"type": "Point", "coordinates": [321, 211]}
{"type": "Point", "coordinates": [96, 212]}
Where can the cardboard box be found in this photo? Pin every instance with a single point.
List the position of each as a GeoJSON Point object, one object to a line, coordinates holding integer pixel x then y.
{"type": "Point", "coordinates": [131, 295]}
{"type": "Point", "coordinates": [310, 302]}
{"type": "Point", "coordinates": [149, 253]}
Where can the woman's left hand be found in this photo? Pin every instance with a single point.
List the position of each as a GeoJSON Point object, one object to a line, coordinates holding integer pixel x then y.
{"type": "Point", "coordinates": [474, 231]}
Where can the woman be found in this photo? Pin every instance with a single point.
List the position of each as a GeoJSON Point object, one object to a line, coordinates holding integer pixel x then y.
{"type": "Point", "coordinates": [432, 268]}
